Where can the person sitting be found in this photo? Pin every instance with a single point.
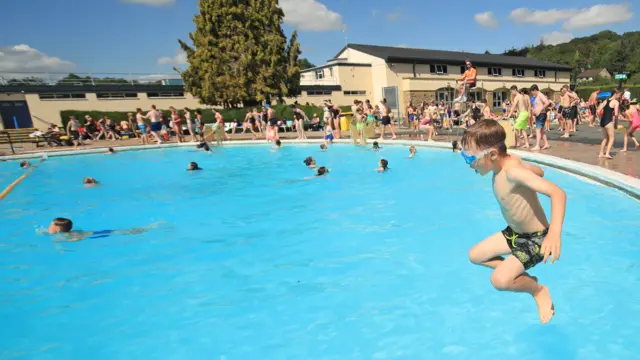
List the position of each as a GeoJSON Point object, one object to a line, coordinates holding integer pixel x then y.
{"type": "Point", "coordinates": [315, 123]}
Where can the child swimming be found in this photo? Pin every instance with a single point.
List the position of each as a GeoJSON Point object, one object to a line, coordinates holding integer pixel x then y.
{"type": "Point", "coordinates": [63, 226]}
{"type": "Point", "coordinates": [110, 151]}
{"type": "Point", "coordinates": [24, 164]}
{"type": "Point", "coordinates": [529, 238]}
{"type": "Point", "coordinates": [310, 162]}
{"type": "Point", "coordinates": [323, 147]}
{"type": "Point", "coordinates": [278, 143]}
{"type": "Point", "coordinates": [412, 152]}
{"type": "Point", "coordinates": [204, 146]}
{"type": "Point", "coordinates": [455, 146]}
{"type": "Point", "coordinates": [193, 166]}
{"type": "Point", "coordinates": [383, 165]}
{"type": "Point", "coordinates": [376, 146]}
{"type": "Point", "coordinates": [322, 171]}
{"type": "Point", "coordinates": [90, 181]}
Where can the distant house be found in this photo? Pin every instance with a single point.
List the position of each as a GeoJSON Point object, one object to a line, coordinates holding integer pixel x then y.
{"type": "Point", "coordinates": [591, 74]}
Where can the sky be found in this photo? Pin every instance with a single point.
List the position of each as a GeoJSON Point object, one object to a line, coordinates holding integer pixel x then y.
{"type": "Point", "coordinates": [140, 36]}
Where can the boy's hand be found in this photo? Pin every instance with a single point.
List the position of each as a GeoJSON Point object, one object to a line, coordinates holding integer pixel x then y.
{"type": "Point", "coordinates": [551, 246]}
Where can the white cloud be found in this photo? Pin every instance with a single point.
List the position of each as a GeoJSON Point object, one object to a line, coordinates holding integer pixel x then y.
{"type": "Point", "coordinates": [310, 15]}
{"type": "Point", "coordinates": [179, 59]}
{"type": "Point", "coordinates": [486, 19]}
{"type": "Point", "coordinates": [151, 2]}
{"type": "Point", "coordinates": [598, 15]}
{"type": "Point", "coordinates": [24, 58]}
{"type": "Point", "coordinates": [541, 17]}
{"type": "Point", "coordinates": [556, 37]}
{"type": "Point", "coordinates": [402, 46]}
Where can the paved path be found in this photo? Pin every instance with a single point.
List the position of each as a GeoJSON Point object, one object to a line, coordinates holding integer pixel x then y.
{"type": "Point", "coordinates": [582, 146]}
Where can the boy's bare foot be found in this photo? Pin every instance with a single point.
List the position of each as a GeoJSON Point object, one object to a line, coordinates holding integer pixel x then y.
{"type": "Point", "coordinates": [544, 303]}
{"type": "Point", "coordinates": [623, 150]}
{"type": "Point", "coordinates": [535, 148]}
{"type": "Point", "coordinates": [546, 147]}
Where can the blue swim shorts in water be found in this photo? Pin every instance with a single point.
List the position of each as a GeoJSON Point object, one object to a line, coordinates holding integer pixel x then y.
{"type": "Point", "coordinates": [101, 234]}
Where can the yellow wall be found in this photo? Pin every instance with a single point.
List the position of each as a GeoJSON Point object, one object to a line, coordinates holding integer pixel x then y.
{"type": "Point", "coordinates": [48, 111]}
{"type": "Point", "coordinates": [354, 78]}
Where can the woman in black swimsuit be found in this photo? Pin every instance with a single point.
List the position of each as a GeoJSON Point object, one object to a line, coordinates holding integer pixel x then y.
{"type": "Point", "coordinates": [610, 111]}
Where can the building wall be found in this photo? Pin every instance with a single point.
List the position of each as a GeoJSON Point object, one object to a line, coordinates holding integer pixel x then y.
{"type": "Point", "coordinates": [48, 111]}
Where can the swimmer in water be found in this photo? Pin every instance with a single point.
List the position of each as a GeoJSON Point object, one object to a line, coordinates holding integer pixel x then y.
{"type": "Point", "coordinates": [204, 146]}
{"type": "Point", "coordinates": [110, 151]}
{"type": "Point", "coordinates": [25, 164]}
{"type": "Point", "coordinates": [278, 144]}
{"type": "Point", "coordinates": [310, 162]}
{"type": "Point", "coordinates": [63, 227]}
{"type": "Point", "coordinates": [455, 146]}
{"type": "Point", "coordinates": [376, 146]}
{"type": "Point", "coordinates": [193, 166]}
{"type": "Point", "coordinates": [90, 181]}
{"type": "Point", "coordinates": [412, 152]}
{"type": "Point", "coordinates": [323, 147]}
{"type": "Point", "coordinates": [383, 165]}
{"type": "Point", "coordinates": [322, 171]}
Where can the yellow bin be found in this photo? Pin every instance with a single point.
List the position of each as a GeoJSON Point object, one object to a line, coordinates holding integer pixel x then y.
{"type": "Point", "coordinates": [345, 120]}
{"type": "Point", "coordinates": [511, 135]}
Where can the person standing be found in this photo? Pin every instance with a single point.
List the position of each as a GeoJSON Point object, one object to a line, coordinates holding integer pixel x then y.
{"type": "Point", "coordinates": [521, 104]}
{"type": "Point", "coordinates": [541, 104]}
{"type": "Point", "coordinates": [566, 101]}
{"type": "Point", "coordinates": [144, 138]}
{"type": "Point", "coordinates": [191, 124]}
{"type": "Point", "coordinates": [299, 117]}
{"type": "Point", "coordinates": [156, 123]}
{"type": "Point", "coordinates": [73, 133]}
{"type": "Point", "coordinates": [386, 119]}
{"type": "Point", "coordinates": [633, 116]}
{"type": "Point", "coordinates": [593, 103]}
{"type": "Point", "coordinates": [177, 124]}
{"type": "Point", "coordinates": [336, 114]}
{"type": "Point", "coordinates": [610, 112]}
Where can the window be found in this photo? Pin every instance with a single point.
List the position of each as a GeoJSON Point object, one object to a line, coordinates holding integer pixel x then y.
{"type": "Point", "coordinates": [463, 68]}
{"type": "Point", "coordinates": [539, 73]}
{"type": "Point", "coordinates": [495, 71]}
{"type": "Point", "coordinates": [318, 92]}
{"type": "Point", "coordinates": [438, 69]}
{"type": "Point", "coordinates": [117, 95]}
{"type": "Point", "coordinates": [445, 95]}
{"type": "Point", "coordinates": [476, 95]}
{"type": "Point", "coordinates": [319, 74]}
{"type": "Point", "coordinates": [355, 92]}
{"type": "Point", "coordinates": [499, 97]}
{"type": "Point", "coordinates": [57, 96]}
{"type": "Point", "coordinates": [173, 94]}
{"type": "Point", "coordinates": [517, 72]}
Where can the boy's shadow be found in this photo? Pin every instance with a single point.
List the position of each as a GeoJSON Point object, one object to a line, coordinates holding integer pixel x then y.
{"type": "Point", "coordinates": [548, 342]}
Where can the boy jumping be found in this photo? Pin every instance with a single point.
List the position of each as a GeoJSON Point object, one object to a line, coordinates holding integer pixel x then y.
{"type": "Point", "coordinates": [528, 238]}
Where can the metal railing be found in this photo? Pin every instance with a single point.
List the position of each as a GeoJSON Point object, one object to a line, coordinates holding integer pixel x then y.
{"type": "Point", "coordinates": [83, 79]}
{"type": "Point", "coordinates": [314, 81]}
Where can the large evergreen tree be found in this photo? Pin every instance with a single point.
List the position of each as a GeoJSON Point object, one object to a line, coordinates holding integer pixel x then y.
{"type": "Point", "coordinates": [238, 52]}
{"type": "Point", "coordinates": [293, 66]}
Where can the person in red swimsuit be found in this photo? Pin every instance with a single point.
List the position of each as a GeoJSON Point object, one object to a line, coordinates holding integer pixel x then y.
{"type": "Point", "coordinates": [177, 124]}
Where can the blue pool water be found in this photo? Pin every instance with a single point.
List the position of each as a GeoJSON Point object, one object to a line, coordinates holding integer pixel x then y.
{"type": "Point", "coordinates": [357, 265]}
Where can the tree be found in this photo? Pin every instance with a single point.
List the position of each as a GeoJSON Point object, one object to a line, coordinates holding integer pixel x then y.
{"type": "Point", "coordinates": [486, 52]}
{"type": "Point", "coordinates": [305, 64]}
{"type": "Point", "coordinates": [237, 52]}
{"type": "Point", "coordinates": [293, 66]}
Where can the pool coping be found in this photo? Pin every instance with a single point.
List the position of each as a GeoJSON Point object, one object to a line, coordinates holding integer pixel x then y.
{"type": "Point", "coordinates": [626, 184]}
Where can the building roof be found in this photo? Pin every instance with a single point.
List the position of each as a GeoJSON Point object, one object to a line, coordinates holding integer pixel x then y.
{"type": "Point", "coordinates": [590, 73]}
{"type": "Point", "coordinates": [87, 88]}
{"type": "Point", "coordinates": [409, 55]}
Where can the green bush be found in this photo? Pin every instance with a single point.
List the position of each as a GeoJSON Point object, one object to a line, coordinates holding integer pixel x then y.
{"type": "Point", "coordinates": [282, 111]}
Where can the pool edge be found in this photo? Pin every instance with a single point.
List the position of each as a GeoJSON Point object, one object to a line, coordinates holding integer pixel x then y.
{"type": "Point", "coordinates": [624, 183]}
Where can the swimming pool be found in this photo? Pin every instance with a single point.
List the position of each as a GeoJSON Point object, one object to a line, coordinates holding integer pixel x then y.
{"type": "Point", "coordinates": [356, 265]}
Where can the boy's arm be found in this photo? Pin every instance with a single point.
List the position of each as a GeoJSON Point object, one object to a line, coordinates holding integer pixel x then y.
{"type": "Point", "coordinates": [524, 177]}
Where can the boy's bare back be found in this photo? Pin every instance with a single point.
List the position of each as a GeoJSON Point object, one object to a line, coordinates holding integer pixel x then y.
{"type": "Point", "coordinates": [520, 205]}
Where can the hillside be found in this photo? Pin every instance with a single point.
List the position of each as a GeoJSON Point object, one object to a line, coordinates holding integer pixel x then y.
{"type": "Point", "coordinates": [605, 49]}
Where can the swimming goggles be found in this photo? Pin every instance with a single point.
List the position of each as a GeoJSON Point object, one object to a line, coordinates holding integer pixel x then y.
{"type": "Point", "coordinates": [470, 159]}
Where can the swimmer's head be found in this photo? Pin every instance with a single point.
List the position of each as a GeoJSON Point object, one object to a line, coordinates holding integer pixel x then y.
{"type": "Point", "coordinates": [206, 147]}
{"type": "Point", "coordinates": [375, 145]}
{"type": "Point", "coordinates": [278, 143]}
{"type": "Point", "coordinates": [323, 146]}
{"type": "Point", "coordinates": [110, 150]}
{"type": "Point", "coordinates": [454, 145]}
{"type": "Point", "coordinates": [322, 171]}
{"type": "Point", "coordinates": [200, 146]}
{"type": "Point", "coordinates": [25, 164]}
{"type": "Point", "coordinates": [412, 149]}
{"type": "Point", "coordinates": [193, 166]}
{"type": "Point", "coordinates": [89, 181]}
{"type": "Point", "coordinates": [483, 145]}
{"type": "Point", "coordinates": [309, 161]}
{"type": "Point", "coordinates": [384, 164]}
{"type": "Point", "coordinates": [60, 225]}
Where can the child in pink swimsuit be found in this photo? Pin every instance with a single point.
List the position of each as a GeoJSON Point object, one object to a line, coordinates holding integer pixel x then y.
{"type": "Point", "coordinates": [633, 115]}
